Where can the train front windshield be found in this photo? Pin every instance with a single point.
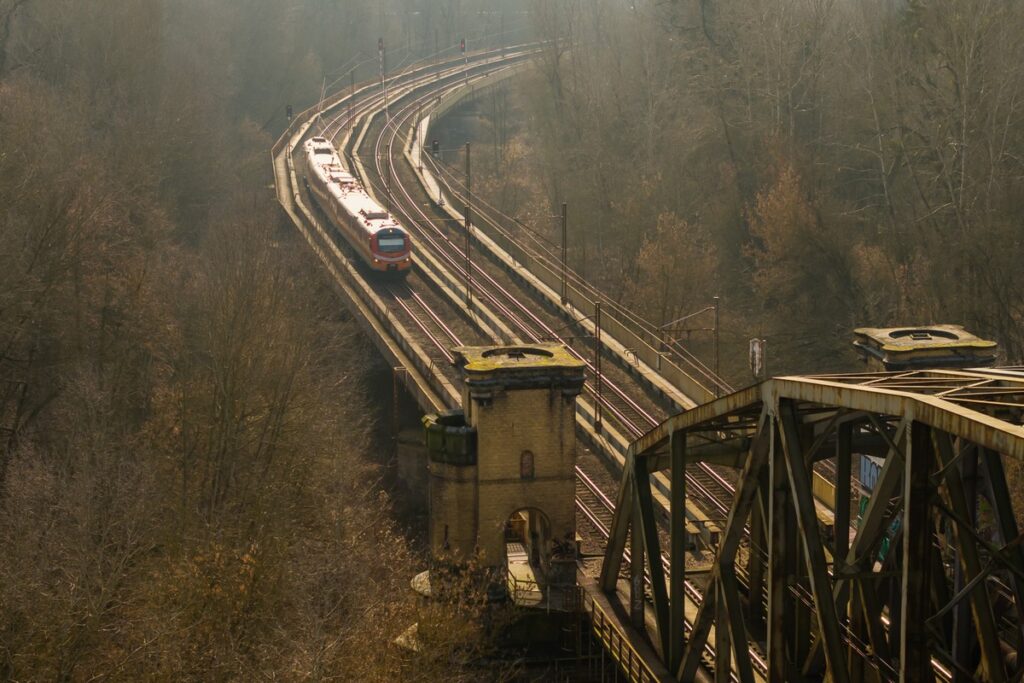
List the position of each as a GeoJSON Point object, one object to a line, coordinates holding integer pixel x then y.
{"type": "Point", "coordinates": [390, 245]}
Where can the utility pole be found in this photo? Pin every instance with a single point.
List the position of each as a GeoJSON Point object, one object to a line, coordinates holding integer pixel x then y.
{"type": "Point", "coordinates": [597, 365]}
{"type": "Point", "coordinates": [465, 58]}
{"type": "Point", "coordinates": [320, 104]}
{"type": "Point", "coordinates": [352, 94]}
{"type": "Point", "coordinates": [437, 56]}
{"type": "Point", "coordinates": [764, 350]}
{"type": "Point", "coordinates": [387, 162]}
{"type": "Point", "coordinates": [717, 374]}
{"type": "Point", "coordinates": [469, 258]}
{"type": "Point", "coordinates": [383, 72]}
{"type": "Point", "coordinates": [565, 294]}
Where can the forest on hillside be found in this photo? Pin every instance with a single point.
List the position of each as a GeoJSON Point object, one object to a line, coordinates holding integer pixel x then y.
{"type": "Point", "coordinates": [820, 165]}
{"type": "Point", "coordinates": [190, 473]}
{"type": "Point", "coordinates": [190, 485]}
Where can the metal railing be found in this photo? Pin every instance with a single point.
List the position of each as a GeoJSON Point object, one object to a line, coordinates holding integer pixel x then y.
{"type": "Point", "coordinates": [615, 642]}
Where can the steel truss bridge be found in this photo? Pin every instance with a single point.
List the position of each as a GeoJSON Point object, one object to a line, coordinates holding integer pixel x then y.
{"type": "Point", "coordinates": [785, 601]}
{"type": "Point", "coordinates": [928, 584]}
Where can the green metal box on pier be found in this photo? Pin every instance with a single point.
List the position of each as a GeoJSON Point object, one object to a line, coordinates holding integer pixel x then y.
{"type": "Point", "coordinates": [449, 439]}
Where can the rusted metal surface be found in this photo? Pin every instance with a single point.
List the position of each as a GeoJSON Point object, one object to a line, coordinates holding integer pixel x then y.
{"type": "Point", "coordinates": [984, 406]}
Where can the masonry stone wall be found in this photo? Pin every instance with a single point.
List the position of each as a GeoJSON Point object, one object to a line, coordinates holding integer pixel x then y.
{"type": "Point", "coordinates": [541, 421]}
{"type": "Point", "coordinates": [453, 506]}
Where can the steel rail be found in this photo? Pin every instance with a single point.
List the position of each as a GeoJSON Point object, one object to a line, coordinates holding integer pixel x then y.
{"type": "Point", "coordinates": [396, 123]}
{"type": "Point", "coordinates": [553, 263]}
{"type": "Point", "coordinates": [452, 336]}
{"type": "Point", "coordinates": [586, 513]}
{"type": "Point", "coordinates": [529, 330]}
{"type": "Point", "coordinates": [423, 328]}
{"type": "Point", "coordinates": [455, 261]}
{"type": "Point", "coordinates": [691, 590]}
{"type": "Point", "coordinates": [632, 426]}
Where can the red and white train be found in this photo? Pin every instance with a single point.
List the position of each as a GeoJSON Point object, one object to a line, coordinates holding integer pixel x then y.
{"type": "Point", "coordinates": [382, 244]}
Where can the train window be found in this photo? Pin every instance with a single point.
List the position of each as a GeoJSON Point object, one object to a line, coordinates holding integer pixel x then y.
{"type": "Point", "coordinates": [323, 150]}
{"type": "Point", "coordinates": [391, 244]}
{"type": "Point", "coordinates": [373, 215]}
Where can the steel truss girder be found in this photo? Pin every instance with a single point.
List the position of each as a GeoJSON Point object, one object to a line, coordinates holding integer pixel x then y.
{"type": "Point", "coordinates": [851, 618]}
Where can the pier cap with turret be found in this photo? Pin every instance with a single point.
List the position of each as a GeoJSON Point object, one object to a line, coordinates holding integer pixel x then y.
{"type": "Point", "coordinates": [533, 366]}
{"type": "Point", "coordinates": [924, 346]}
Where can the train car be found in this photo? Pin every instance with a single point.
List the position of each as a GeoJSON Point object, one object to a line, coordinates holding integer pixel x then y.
{"type": "Point", "coordinates": [381, 243]}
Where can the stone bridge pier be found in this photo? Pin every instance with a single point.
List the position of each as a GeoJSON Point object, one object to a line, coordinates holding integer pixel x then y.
{"type": "Point", "coordinates": [502, 470]}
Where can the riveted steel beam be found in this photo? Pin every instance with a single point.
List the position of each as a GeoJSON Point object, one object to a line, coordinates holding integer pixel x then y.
{"type": "Point", "coordinates": [756, 557]}
{"type": "Point", "coordinates": [725, 560]}
{"type": "Point", "coordinates": [969, 562]}
{"type": "Point", "coordinates": [1012, 553]}
{"type": "Point", "coordinates": [730, 595]}
{"type": "Point", "coordinates": [814, 551]}
{"type": "Point", "coordinates": [870, 621]}
{"type": "Point", "coordinates": [934, 410]}
{"type": "Point", "coordinates": [701, 630]}
{"type": "Point", "coordinates": [844, 488]}
{"type": "Point", "coordinates": [735, 526]}
{"type": "Point", "coordinates": [870, 532]}
{"type": "Point", "coordinates": [781, 546]}
{"type": "Point", "coordinates": [915, 664]}
{"type": "Point", "coordinates": [637, 596]}
{"type": "Point", "coordinates": [876, 517]}
{"type": "Point", "coordinates": [677, 554]}
{"type": "Point", "coordinates": [649, 529]}
{"type": "Point", "coordinates": [612, 563]}
{"type": "Point", "coordinates": [871, 610]}
{"type": "Point", "coordinates": [723, 634]}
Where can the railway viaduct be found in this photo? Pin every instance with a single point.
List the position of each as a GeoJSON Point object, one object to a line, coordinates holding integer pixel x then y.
{"type": "Point", "coordinates": [737, 540]}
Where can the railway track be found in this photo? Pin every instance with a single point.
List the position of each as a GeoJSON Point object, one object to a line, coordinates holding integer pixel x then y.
{"type": "Point", "coordinates": [595, 506]}
{"type": "Point", "coordinates": [531, 323]}
{"type": "Point", "coordinates": [440, 335]}
{"type": "Point", "coordinates": [599, 510]}
{"type": "Point", "coordinates": [711, 487]}
{"type": "Point", "coordinates": [542, 251]}
{"type": "Point", "coordinates": [614, 395]}
{"type": "Point", "coordinates": [429, 317]}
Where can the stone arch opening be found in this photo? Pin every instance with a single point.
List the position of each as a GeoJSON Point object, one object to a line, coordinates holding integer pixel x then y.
{"type": "Point", "coordinates": [540, 566]}
{"type": "Point", "coordinates": [528, 532]}
{"type": "Point", "coordinates": [527, 555]}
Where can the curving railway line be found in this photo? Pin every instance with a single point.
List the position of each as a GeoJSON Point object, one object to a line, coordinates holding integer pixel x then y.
{"type": "Point", "coordinates": [435, 315]}
{"type": "Point", "coordinates": [632, 407]}
{"type": "Point", "coordinates": [512, 302]}
{"type": "Point", "coordinates": [452, 299]}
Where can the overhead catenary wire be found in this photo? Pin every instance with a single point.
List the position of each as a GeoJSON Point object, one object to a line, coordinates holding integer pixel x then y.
{"type": "Point", "coordinates": [552, 261]}
{"type": "Point", "coordinates": [377, 156]}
